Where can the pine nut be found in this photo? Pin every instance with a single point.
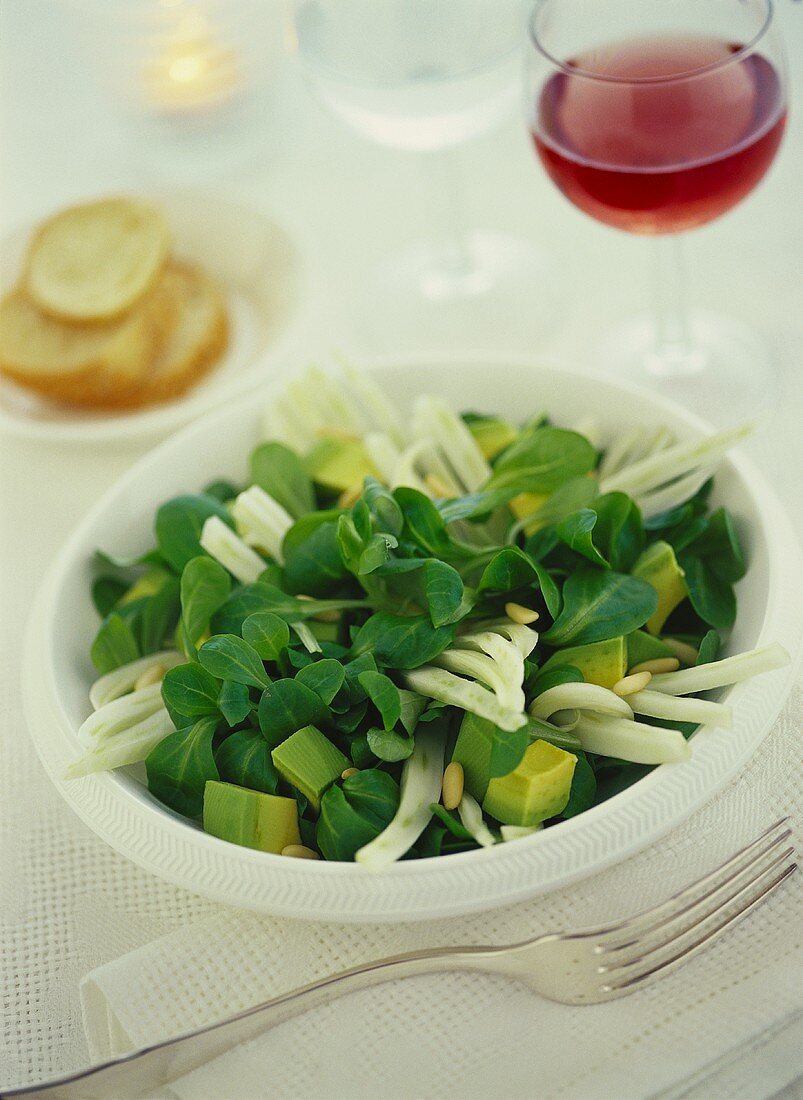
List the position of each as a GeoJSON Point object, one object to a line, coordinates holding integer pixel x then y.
{"type": "Point", "coordinates": [657, 664]}
{"type": "Point", "coordinates": [453, 782]}
{"type": "Point", "coordinates": [299, 851]}
{"type": "Point", "coordinates": [520, 614]}
{"type": "Point", "coordinates": [150, 676]}
{"type": "Point", "coordinates": [349, 496]}
{"type": "Point", "coordinates": [438, 487]}
{"type": "Point", "coordinates": [684, 652]}
{"type": "Point", "coordinates": [628, 684]}
{"type": "Point", "coordinates": [348, 772]}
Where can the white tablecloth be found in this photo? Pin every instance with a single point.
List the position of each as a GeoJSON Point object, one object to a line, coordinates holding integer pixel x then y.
{"type": "Point", "coordinates": [68, 904]}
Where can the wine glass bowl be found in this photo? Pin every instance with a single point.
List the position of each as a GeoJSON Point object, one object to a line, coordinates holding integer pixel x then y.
{"type": "Point", "coordinates": [656, 117]}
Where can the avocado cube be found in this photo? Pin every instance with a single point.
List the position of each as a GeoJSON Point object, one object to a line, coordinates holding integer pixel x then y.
{"type": "Point", "coordinates": [603, 663]}
{"type": "Point", "coordinates": [659, 567]}
{"type": "Point", "coordinates": [309, 761]}
{"type": "Point", "coordinates": [537, 789]}
{"type": "Point", "coordinates": [252, 819]}
{"type": "Point", "coordinates": [339, 464]}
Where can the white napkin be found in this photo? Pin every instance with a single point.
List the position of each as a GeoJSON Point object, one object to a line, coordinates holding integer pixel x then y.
{"type": "Point", "coordinates": [732, 1015]}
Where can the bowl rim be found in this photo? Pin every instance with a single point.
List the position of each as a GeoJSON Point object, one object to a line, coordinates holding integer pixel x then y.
{"type": "Point", "coordinates": [46, 706]}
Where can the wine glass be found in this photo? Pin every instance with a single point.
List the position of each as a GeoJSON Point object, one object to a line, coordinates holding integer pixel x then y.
{"type": "Point", "coordinates": [425, 77]}
{"type": "Point", "coordinates": [657, 116]}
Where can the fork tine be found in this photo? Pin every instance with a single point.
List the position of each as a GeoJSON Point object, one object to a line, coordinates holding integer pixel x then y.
{"type": "Point", "coordinates": [686, 906]}
{"type": "Point", "coordinates": [643, 977]}
{"type": "Point", "coordinates": [652, 918]}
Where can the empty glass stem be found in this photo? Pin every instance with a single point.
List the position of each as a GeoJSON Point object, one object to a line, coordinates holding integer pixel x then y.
{"type": "Point", "coordinates": [674, 352]}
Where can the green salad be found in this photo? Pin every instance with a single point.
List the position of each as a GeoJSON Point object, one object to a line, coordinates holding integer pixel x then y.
{"type": "Point", "coordinates": [408, 638]}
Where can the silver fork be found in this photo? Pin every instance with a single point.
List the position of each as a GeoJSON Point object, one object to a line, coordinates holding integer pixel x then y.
{"type": "Point", "coordinates": [575, 968]}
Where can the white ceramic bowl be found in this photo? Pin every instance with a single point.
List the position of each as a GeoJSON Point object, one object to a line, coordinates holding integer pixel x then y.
{"type": "Point", "coordinates": [259, 270]}
{"type": "Point", "coordinates": [57, 671]}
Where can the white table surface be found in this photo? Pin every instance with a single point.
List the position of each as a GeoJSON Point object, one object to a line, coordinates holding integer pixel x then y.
{"type": "Point", "coordinates": [348, 203]}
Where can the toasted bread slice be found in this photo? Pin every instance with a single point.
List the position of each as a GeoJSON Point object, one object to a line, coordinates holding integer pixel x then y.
{"type": "Point", "coordinates": [92, 365]}
{"type": "Point", "coordinates": [92, 262]}
{"type": "Point", "coordinates": [197, 341]}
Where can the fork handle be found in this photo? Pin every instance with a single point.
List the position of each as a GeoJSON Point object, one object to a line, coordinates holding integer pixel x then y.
{"type": "Point", "coordinates": [133, 1075]}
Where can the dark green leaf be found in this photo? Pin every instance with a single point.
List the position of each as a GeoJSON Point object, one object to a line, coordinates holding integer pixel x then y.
{"type": "Point", "coordinates": [512, 568]}
{"type": "Point", "coordinates": [383, 508]}
{"type": "Point", "coordinates": [267, 633]}
{"type": "Point", "coordinates": [280, 472]}
{"type": "Point", "coordinates": [205, 587]}
{"type": "Point", "coordinates": [221, 490]}
{"type": "Point", "coordinates": [554, 677]}
{"type": "Point", "coordinates": [507, 750]}
{"type": "Point", "coordinates": [719, 545]}
{"type": "Point", "coordinates": [106, 591]}
{"type": "Point", "coordinates": [401, 642]}
{"type": "Point", "coordinates": [230, 658]}
{"type": "Point", "coordinates": [708, 648]}
{"type": "Point", "coordinates": [189, 691]}
{"type": "Point", "coordinates": [429, 584]}
{"type": "Point", "coordinates": [388, 745]}
{"type": "Point", "coordinates": [114, 645]}
{"type": "Point", "coordinates": [576, 531]}
{"type": "Point", "coordinates": [452, 822]}
{"type": "Point", "coordinates": [315, 566]}
{"type": "Point", "coordinates": [356, 812]}
{"type": "Point", "coordinates": [583, 793]}
{"type": "Point", "coordinates": [179, 523]}
{"type": "Point", "coordinates": [180, 765]}
{"type": "Point", "coordinates": [384, 694]}
{"type": "Point", "coordinates": [244, 759]}
{"type": "Point", "coordinates": [234, 702]}
{"type": "Point", "coordinates": [600, 604]}
{"type": "Point", "coordinates": [711, 596]}
{"type": "Point", "coordinates": [375, 553]}
{"type": "Point", "coordinates": [412, 704]}
{"type": "Point", "coordinates": [287, 706]}
{"type": "Point", "coordinates": [160, 615]}
{"type": "Point", "coordinates": [325, 678]}
{"type": "Point", "coordinates": [619, 532]}
{"type": "Point", "coordinates": [251, 598]}
{"type": "Point", "coordinates": [541, 459]}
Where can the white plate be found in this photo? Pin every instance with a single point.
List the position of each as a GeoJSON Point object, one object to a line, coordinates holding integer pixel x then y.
{"type": "Point", "coordinates": [258, 268]}
{"type": "Point", "coordinates": [57, 672]}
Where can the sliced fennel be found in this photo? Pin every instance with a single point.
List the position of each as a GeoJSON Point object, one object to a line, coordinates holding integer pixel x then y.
{"type": "Point", "coordinates": [121, 713]}
{"type": "Point", "coordinates": [471, 815]}
{"type": "Point", "coordinates": [128, 746]}
{"type": "Point", "coordinates": [670, 708]}
{"type": "Point", "coordinates": [717, 674]}
{"type": "Point", "coordinates": [578, 696]}
{"type": "Point", "coordinates": [445, 687]}
{"type": "Point", "coordinates": [262, 521]}
{"type": "Point", "coordinates": [226, 547]}
{"type": "Point", "coordinates": [433, 419]}
{"type": "Point", "coordinates": [122, 679]}
{"type": "Point", "coordinates": [420, 787]}
{"type": "Point", "coordinates": [627, 740]}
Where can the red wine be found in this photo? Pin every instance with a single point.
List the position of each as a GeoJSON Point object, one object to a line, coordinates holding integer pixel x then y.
{"type": "Point", "coordinates": [659, 156]}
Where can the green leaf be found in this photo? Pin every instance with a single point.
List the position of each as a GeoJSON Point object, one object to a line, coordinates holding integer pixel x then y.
{"type": "Point", "coordinates": [554, 677]}
{"type": "Point", "coordinates": [600, 604]}
{"type": "Point", "coordinates": [541, 459]}
{"type": "Point", "coordinates": [412, 705]}
{"type": "Point", "coordinates": [280, 472]}
{"type": "Point", "coordinates": [179, 523]}
{"type": "Point", "coordinates": [388, 745]}
{"type": "Point", "coordinates": [619, 532]}
{"type": "Point", "coordinates": [401, 642]}
{"type": "Point", "coordinates": [230, 658]}
{"type": "Point", "coordinates": [160, 614]}
{"type": "Point", "coordinates": [719, 544]}
{"type": "Point", "coordinates": [576, 530]}
{"type": "Point", "coordinates": [189, 691]}
{"type": "Point", "coordinates": [234, 702]}
{"type": "Point", "coordinates": [425, 526]}
{"type": "Point", "coordinates": [428, 583]}
{"type": "Point", "coordinates": [244, 759]}
{"type": "Point", "coordinates": [353, 813]}
{"type": "Point", "coordinates": [512, 568]}
{"type": "Point", "coordinates": [711, 597]}
{"type": "Point", "coordinates": [315, 566]}
{"type": "Point", "coordinates": [287, 706]}
{"type": "Point", "coordinates": [106, 591]}
{"type": "Point", "coordinates": [325, 678]}
{"type": "Point", "coordinates": [251, 598]}
{"type": "Point", "coordinates": [180, 765]}
{"type": "Point", "coordinates": [384, 694]}
{"type": "Point", "coordinates": [375, 553]}
{"type": "Point", "coordinates": [266, 633]}
{"type": "Point", "coordinates": [221, 490]}
{"type": "Point", "coordinates": [708, 648]}
{"type": "Point", "coordinates": [583, 793]}
{"type": "Point", "coordinates": [114, 645]}
{"type": "Point", "coordinates": [507, 750]}
{"type": "Point", "coordinates": [386, 515]}
{"type": "Point", "coordinates": [474, 505]}
{"type": "Point", "coordinates": [205, 587]}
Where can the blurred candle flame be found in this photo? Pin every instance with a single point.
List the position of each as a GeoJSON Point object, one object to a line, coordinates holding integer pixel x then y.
{"type": "Point", "coordinates": [191, 68]}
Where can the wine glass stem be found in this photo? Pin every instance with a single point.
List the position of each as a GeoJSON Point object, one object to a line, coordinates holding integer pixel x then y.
{"type": "Point", "coordinates": [452, 259]}
{"type": "Point", "coordinates": [674, 353]}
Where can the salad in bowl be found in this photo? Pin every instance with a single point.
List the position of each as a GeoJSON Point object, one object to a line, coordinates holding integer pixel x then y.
{"type": "Point", "coordinates": [405, 638]}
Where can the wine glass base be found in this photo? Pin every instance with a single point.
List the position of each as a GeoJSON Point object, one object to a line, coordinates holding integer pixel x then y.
{"type": "Point", "coordinates": [497, 292]}
{"type": "Point", "coordinates": [728, 377]}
